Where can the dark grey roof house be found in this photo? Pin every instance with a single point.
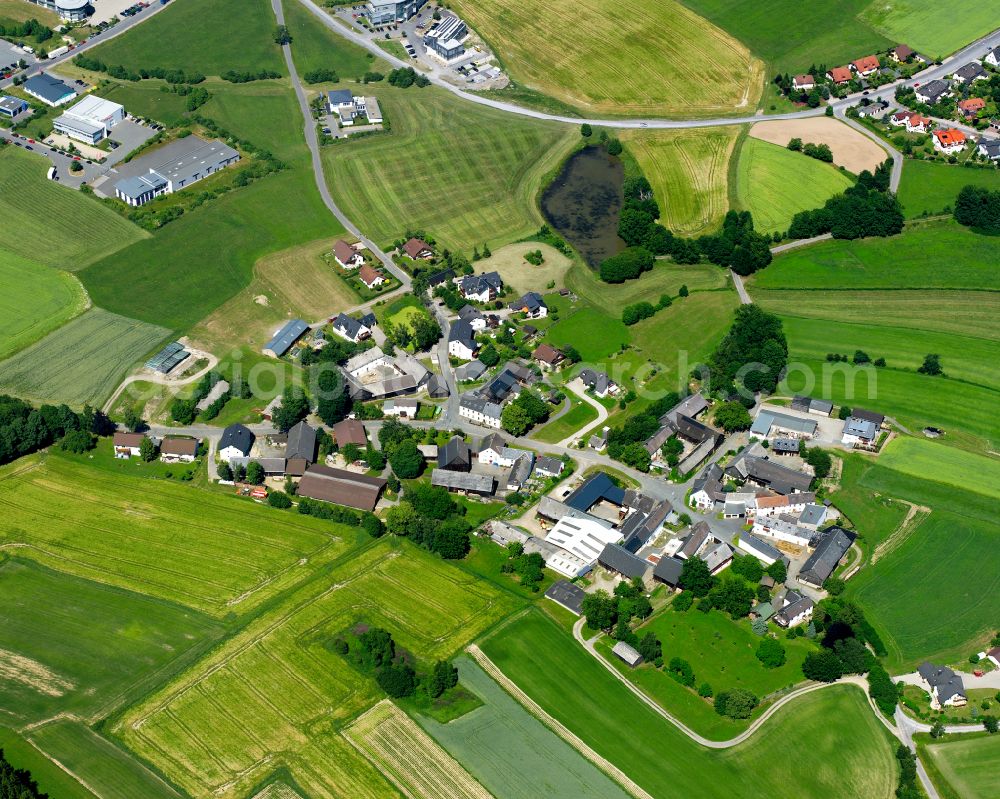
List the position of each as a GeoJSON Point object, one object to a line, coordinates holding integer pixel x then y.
{"type": "Point", "coordinates": [946, 685]}
{"type": "Point", "coordinates": [283, 340]}
{"type": "Point", "coordinates": [618, 559]}
{"type": "Point", "coordinates": [235, 438]}
{"type": "Point", "coordinates": [832, 546]}
{"type": "Point", "coordinates": [970, 72]}
{"type": "Point", "coordinates": [301, 443]}
{"type": "Point", "coordinates": [570, 596]}
{"type": "Point", "coordinates": [455, 456]}
{"type": "Point", "coordinates": [668, 571]}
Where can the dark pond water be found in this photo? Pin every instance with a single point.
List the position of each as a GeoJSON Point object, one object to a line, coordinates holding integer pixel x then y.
{"type": "Point", "coordinates": [584, 201]}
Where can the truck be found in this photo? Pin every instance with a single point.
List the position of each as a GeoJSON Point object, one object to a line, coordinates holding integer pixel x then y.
{"type": "Point", "coordinates": [58, 51]}
{"type": "Point", "coordinates": [52, 173]}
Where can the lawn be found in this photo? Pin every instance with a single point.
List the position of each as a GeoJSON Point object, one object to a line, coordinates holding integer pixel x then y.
{"type": "Point", "coordinates": [594, 333]}
{"type": "Point", "coordinates": [841, 751]}
{"type": "Point", "coordinates": [258, 701]}
{"type": "Point", "coordinates": [931, 461]}
{"type": "Point", "coordinates": [50, 778]}
{"type": "Point", "coordinates": [928, 27]}
{"type": "Point", "coordinates": [790, 38]}
{"type": "Point", "coordinates": [464, 173]}
{"type": "Point", "coordinates": [630, 60]}
{"type": "Point", "coordinates": [17, 11]}
{"type": "Point", "coordinates": [930, 188]}
{"type": "Point", "coordinates": [35, 301]}
{"type": "Point", "coordinates": [775, 183]}
{"type": "Point", "coordinates": [689, 173]}
{"type": "Point", "coordinates": [145, 99]}
{"type": "Point", "coordinates": [513, 754]}
{"type": "Point", "coordinates": [314, 46]}
{"type": "Point", "coordinates": [522, 276]}
{"type": "Point", "coordinates": [186, 36]}
{"type": "Point", "coordinates": [581, 414]}
{"type": "Point", "coordinates": [30, 203]}
{"type": "Point", "coordinates": [665, 278]}
{"type": "Point", "coordinates": [57, 630]}
{"type": "Point", "coordinates": [207, 550]}
{"type": "Point", "coordinates": [963, 766]}
{"type": "Point", "coordinates": [81, 362]}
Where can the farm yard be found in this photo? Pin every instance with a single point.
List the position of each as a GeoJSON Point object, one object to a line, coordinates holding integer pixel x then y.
{"type": "Point", "coordinates": [631, 61]}
{"type": "Point", "coordinates": [35, 210]}
{"type": "Point", "coordinates": [467, 174]}
{"type": "Point", "coordinates": [84, 359]}
{"type": "Point", "coordinates": [545, 662]}
{"type": "Point", "coordinates": [962, 766]}
{"type": "Point", "coordinates": [511, 752]}
{"type": "Point", "coordinates": [774, 183]}
{"type": "Point", "coordinates": [852, 150]}
{"type": "Point", "coordinates": [689, 173]}
{"type": "Point", "coordinates": [927, 187]}
{"type": "Point", "coordinates": [256, 702]}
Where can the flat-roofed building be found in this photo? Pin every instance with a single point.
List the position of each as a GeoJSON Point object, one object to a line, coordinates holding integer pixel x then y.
{"type": "Point", "coordinates": [176, 166]}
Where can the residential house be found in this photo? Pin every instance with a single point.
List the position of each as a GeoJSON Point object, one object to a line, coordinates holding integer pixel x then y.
{"type": "Point", "coordinates": [346, 255]}
{"type": "Point", "coordinates": [301, 443]}
{"type": "Point", "coordinates": [350, 431]}
{"type": "Point", "coordinates": [840, 75]}
{"type": "Point", "coordinates": [989, 148]}
{"type": "Point", "coordinates": [970, 107]}
{"type": "Point", "coordinates": [782, 530]}
{"type": "Point", "coordinates": [438, 278]}
{"type": "Point", "coordinates": [915, 123]}
{"type": "Point", "coordinates": [350, 328]}
{"type": "Point", "coordinates": [462, 341]}
{"type": "Point", "coordinates": [401, 408]}
{"type": "Point", "coordinates": [371, 277]}
{"type": "Point", "coordinates": [795, 609]}
{"type": "Point", "coordinates": [764, 505]}
{"type": "Point", "coordinates": [481, 288]}
{"type": "Point", "coordinates": [470, 371]}
{"type": "Point", "coordinates": [178, 449]}
{"type": "Point", "coordinates": [993, 57]}
{"type": "Point", "coordinates": [532, 305]}
{"type": "Point", "coordinates": [949, 141]}
{"type": "Point", "coordinates": [857, 431]}
{"type": "Point", "coordinates": [898, 119]}
{"type": "Point", "coordinates": [548, 357]}
{"type": "Point", "coordinates": [520, 471]}
{"type": "Point", "coordinates": [455, 456]}
{"type": "Point", "coordinates": [479, 411]}
{"type": "Point", "coordinates": [341, 487]}
{"type": "Point", "coordinates": [803, 82]}
{"type": "Point", "coordinates": [785, 446]}
{"type": "Point", "coordinates": [760, 549]}
{"type": "Point", "coordinates": [871, 416]}
{"type": "Point", "coordinates": [970, 73]}
{"type": "Point", "coordinates": [706, 491]}
{"type": "Point", "coordinates": [932, 91]}
{"type": "Point", "coordinates": [717, 556]}
{"type": "Point", "coordinates": [901, 53]}
{"type": "Point", "coordinates": [126, 445]}
{"type": "Point", "coordinates": [420, 250]}
{"type": "Point", "coordinates": [349, 108]}
{"type": "Point", "coordinates": [547, 466]}
{"type": "Point", "coordinates": [619, 560]}
{"type": "Point", "coordinates": [598, 382]}
{"type": "Point", "coordinates": [813, 516]}
{"type": "Point", "coordinates": [875, 110]}
{"type": "Point", "coordinates": [944, 685]}
{"type": "Point", "coordinates": [866, 66]}
{"type": "Point", "coordinates": [993, 655]}
{"type": "Point", "coordinates": [830, 549]}
{"type": "Point", "coordinates": [474, 317]}
{"type": "Point", "coordinates": [236, 442]}
{"type": "Point", "coordinates": [599, 441]}
{"type": "Point", "coordinates": [283, 339]}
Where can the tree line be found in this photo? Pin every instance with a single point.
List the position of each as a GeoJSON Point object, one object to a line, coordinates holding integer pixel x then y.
{"type": "Point", "coordinates": [978, 208]}
{"type": "Point", "coordinates": [143, 73]}
{"type": "Point", "coordinates": [863, 210]}
{"type": "Point", "coordinates": [25, 429]}
{"type": "Point", "coordinates": [17, 783]}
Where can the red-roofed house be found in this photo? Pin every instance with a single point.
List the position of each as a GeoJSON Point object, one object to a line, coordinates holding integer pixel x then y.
{"type": "Point", "coordinates": [949, 141]}
{"type": "Point", "coordinates": [803, 82]}
{"type": "Point", "coordinates": [415, 248]}
{"type": "Point", "coordinates": [346, 255]}
{"type": "Point", "coordinates": [371, 277]}
{"type": "Point", "coordinates": [840, 75]}
{"type": "Point", "coordinates": [899, 118]}
{"type": "Point", "coordinates": [866, 66]}
{"type": "Point", "coordinates": [971, 107]}
{"type": "Point", "coordinates": [917, 124]}
{"type": "Point", "coordinates": [548, 356]}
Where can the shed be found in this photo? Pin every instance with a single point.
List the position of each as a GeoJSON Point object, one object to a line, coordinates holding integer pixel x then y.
{"type": "Point", "coordinates": [627, 653]}
{"type": "Point", "coordinates": [570, 596]}
{"type": "Point", "coordinates": [341, 487]}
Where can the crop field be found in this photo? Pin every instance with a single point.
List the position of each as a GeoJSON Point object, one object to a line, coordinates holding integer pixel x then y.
{"type": "Point", "coordinates": [206, 550]}
{"type": "Point", "coordinates": [466, 174]}
{"type": "Point", "coordinates": [773, 183]}
{"type": "Point", "coordinates": [407, 755]}
{"type": "Point", "coordinates": [30, 202]}
{"type": "Point", "coordinates": [256, 702]}
{"type": "Point", "coordinates": [80, 362]}
{"type": "Point", "coordinates": [581, 414]}
{"type": "Point", "coordinates": [185, 36]}
{"type": "Point", "coordinates": [928, 27]}
{"type": "Point", "coordinates": [316, 47]}
{"type": "Point", "coordinates": [35, 301]}
{"type": "Point", "coordinates": [630, 61]}
{"type": "Point", "coordinates": [931, 461]}
{"type": "Point", "coordinates": [929, 188]}
{"type": "Point", "coordinates": [789, 39]}
{"type": "Point", "coordinates": [50, 778]}
{"type": "Point", "coordinates": [56, 633]}
{"type": "Point", "coordinates": [851, 149]}
{"type": "Point", "coordinates": [512, 753]}
{"type": "Point", "coordinates": [522, 276]}
{"type": "Point", "coordinates": [557, 673]}
{"type": "Point", "coordinates": [963, 766]}
{"type": "Point", "coordinates": [689, 173]}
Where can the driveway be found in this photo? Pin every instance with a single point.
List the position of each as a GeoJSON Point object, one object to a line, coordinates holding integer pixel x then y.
{"type": "Point", "coordinates": [577, 387]}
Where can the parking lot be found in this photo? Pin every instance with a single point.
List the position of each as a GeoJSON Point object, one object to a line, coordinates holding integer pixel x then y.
{"type": "Point", "coordinates": [106, 9]}
{"type": "Point", "coordinates": [10, 55]}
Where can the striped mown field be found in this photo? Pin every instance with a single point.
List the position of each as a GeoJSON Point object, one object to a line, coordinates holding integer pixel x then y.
{"type": "Point", "coordinates": [631, 57]}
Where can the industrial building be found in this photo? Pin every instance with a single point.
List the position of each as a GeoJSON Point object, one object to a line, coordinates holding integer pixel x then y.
{"type": "Point", "coordinates": [90, 120]}
{"type": "Point", "coordinates": [174, 166]}
{"type": "Point", "coordinates": [69, 10]}
{"type": "Point", "coordinates": [49, 90]}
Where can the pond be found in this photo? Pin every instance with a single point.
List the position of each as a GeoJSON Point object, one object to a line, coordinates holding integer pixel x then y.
{"type": "Point", "coordinates": [583, 203]}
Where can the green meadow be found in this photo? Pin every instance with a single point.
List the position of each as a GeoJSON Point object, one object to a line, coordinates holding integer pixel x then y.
{"type": "Point", "coordinates": [314, 46]}
{"type": "Point", "coordinates": [929, 27]}
{"type": "Point", "coordinates": [927, 187]}
{"type": "Point", "coordinates": [962, 766]}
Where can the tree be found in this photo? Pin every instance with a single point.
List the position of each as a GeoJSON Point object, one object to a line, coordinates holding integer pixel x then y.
{"type": "Point", "coordinates": [650, 648]}
{"type": "Point", "coordinates": [931, 365]}
{"type": "Point", "coordinates": [990, 724]}
{"type": "Point", "coordinates": [626, 265]}
{"type": "Point", "coordinates": [147, 449]}
{"type": "Point", "coordinates": [132, 421]}
{"type": "Point", "coordinates": [371, 524]}
{"type": "Point", "coordinates": [78, 441]}
{"type": "Point", "coordinates": [586, 131]}
{"type": "Point", "coordinates": [732, 416]}
{"type": "Point", "coordinates": [279, 499]}
{"type": "Point", "coordinates": [614, 147]}
{"type": "Point", "coordinates": [255, 473]}
{"type": "Point", "coordinates": [822, 666]}
{"type": "Point", "coordinates": [683, 601]}
{"type": "Point", "coordinates": [406, 460]}
{"type": "Point", "coordinates": [681, 670]}
{"type": "Point", "coordinates": [777, 571]}
{"type": "Point", "coordinates": [397, 680]}
{"type": "Point", "coordinates": [747, 567]}
{"type": "Point", "coordinates": [637, 456]}
{"type": "Point", "coordinates": [737, 703]}
{"type": "Point", "coordinates": [834, 586]}
{"type": "Point", "coordinates": [979, 208]}
{"type": "Point", "coordinates": [683, 291]}
{"type": "Point", "coordinates": [759, 627]}
{"type": "Point", "coordinates": [696, 578]}
{"type": "Point", "coordinates": [281, 35]}
{"type": "Point", "coordinates": [376, 647]}
{"type": "Point", "coordinates": [937, 729]}
{"type": "Point", "coordinates": [515, 419]}
{"type": "Point", "coordinates": [433, 502]}
{"type": "Point", "coordinates": [225, 472]}
{"type": "Point", "coordinates": [400, 518]}
{"type": "Point", "coordinates": [600, 610]}
{"type": "Point", "coordinates": [882, 690]}
{"type": "Point", "coordinates": [293, 409]}
{"type": "Point", "coordinates": [489, 356]}
{"type": "Point", "coordinates": [771, 653]}
{"type": "Point", "coordinates": [705, 690]}
{"type": "Point", "coordinates": [735, 596]}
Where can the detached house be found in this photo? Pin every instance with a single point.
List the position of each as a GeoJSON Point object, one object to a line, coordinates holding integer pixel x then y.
{"type": "Point", "coordinates": [178, 449]}
{"type": "Point", "coordinates": [346, 255]}
{"type": "Point", "coordinates": [532, 305]}
{"type": "Point", "coordinates": [970, 73]}
{"type": "Point", "coordinates": [944, 685]}
{"type": "Point", "coordinates": [993, 57]}
{"type": "Point", "coordinates": [417, 249]}
{"type": "Point", "coordinates": [127, 445]}
{"type": "Point", "coordinates": [901, 53]}
{"type": "Point", "coordinates": [795, 609]}
{"type": "Point", "coordinates": [462, 341]}
{"type": "Point", "coordinates": [481, 288]}
{"type": "Point", "coordinates": [859, 431]}
{"type": "Point", "coordinates": [371, 277]}
{"type": "Point", "coordinates": [803, 82]}
{"type": "Point", "coordinates": [350, 328]}
{"type": "Point", "coordinates": [598, 382]}
{"type": "Point", "coordinates": [548, 357]}
{"type": "Point", "coordinates": [866, 66]}
{"type": "Point", "coordinates": [930, 93]}
{"type": "Point", "coordinates": [475, 318]}
{"type": "Point", "coordinates": [236, 442]}
{"type": "Point", "coordinates": [917, 124]}
{"type": "Point", "coordinates": [971, 107]}
{"type": "Point", "coordinates": [480, 411]}
{"type": "Point", "coordinates": [989, 148]}
{"type": "Point", "coordinates": [898, 119]}
{"type": "Point", "coordinates": [949, 141]}
{"type": "Point", "coordinates": [840, 75]}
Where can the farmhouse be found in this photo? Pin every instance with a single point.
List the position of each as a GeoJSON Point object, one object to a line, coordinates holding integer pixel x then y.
{"type": "Point", "coordinates": [547, 466]}
{"type": "Point", "coordinates": [178, 449]}
{"type": "Point", "coordinates": [346, 255]}
{"type": "Point", "coordinates": [401, 408]}
{"type": "Point", "coordinates": [174, 166]}
{"type": "Point", "coordinates": [795, 609]}
{"type": "Point", "coordinates": [341, 487]}
{"type": "Point", "coordinates": [619, 560]}
{"type": "Point", "coordinates": [706, 491]}
{"type": "Point", "coordinates": [463, 482]}
{"type": "Point", "coordinates": [970, 73]}
{"type": "Point", "coordinates": [583, 537]}
{"type": "Point", "coordinates": [481, 288]}
{"type": "Point", "coordinates": [767, 474]}
{"type": "Point", "coordinates": [127, 444]}
{"type": "Point", "coordinates": [468, 372]}
{"type": "Point", "coordinates": [820, 407]}
{"type": "Point", "coordinates": [760, 549]}
{"type": "Point", "coordinates": [532, 305]}
{"type": "Point", "coordinates": [371, 277]}
{"type": "Point", "coordinates": [813, 516]}
{"type": "Point", "coordinates": [455, 456]}
{"type": "Point", "coordinates": [90, 120]}
{"type": "Point", "coordinates": [49, 90]}
{"type": "Point", "coordinates": [301, 443]}
{"type": "Point", "coordinates": [462, 341]}
{"type": "Point", "coordinates": [944, 685]}
{"type": "Point", "coordinates": [866, 66]}
{"type": "Point", "coordinates": [350, 431]}
{"type": "Point", "coordinates": [859, 431]}
{"type": "Point", "coordinates": [832, 546]}
{"type": "Point", "coordinates": [283, 339]}
{"type": "Point", "coordinates": [931, 92]}
{"type": "Point", "coordinates": [668, 571]}
{"type": "Point", "coordinates": [764, 505]}
{"type": "Point", "coordinates": [840, 75]}
{"type": "Point", "coordinates": [598, 382]}
{"type": "Point", "coordinates": [803, 82]}
{"type": "Point", "coordinates": [445, 38]}
{"type": "Point", "coordinates": [417, 249]}
{"type": "Point", "coordinates": [236, 442]}
{"type": "Point", "coordinates": [783, 530]}
{"type": "Point", "coordinates": [349, 328]}
{"type": "Point", "coordinates": [570, 596]}
{"type": "Point", "coordinates": [548, 357]}
{"type": "Point", "coordinates": [479, 410]}
{"type": "Point", "coordinates": [782, 424]}
{"type": "Point", "coordinates": [949, 141]}
{"type": "Point", "coordinates": [373, 375]}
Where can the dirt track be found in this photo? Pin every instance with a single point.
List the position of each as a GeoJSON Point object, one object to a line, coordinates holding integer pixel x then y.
{"type": "Point", "coordinates": [851, 150]}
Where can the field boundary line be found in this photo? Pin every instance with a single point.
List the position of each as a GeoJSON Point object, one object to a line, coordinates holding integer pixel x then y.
{"type": "Point", "coordinates": [64, 768]}
{"type": "Point", "coordinates": [560, 729]}
{"type": "Point", "coordinates": [896, 538]}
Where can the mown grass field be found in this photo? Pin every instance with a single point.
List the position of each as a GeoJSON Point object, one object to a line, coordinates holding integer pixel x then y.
{"type": "Point", "coordinates": [689, 173]}
{"type": "Point", "coordinates": [773, 183]}
{"type": "Point", "coordinates": [963, 766]}
{"type": "Point", "coordinates": [512, 753]}
{"type": "Point", "coordinates": [928, 27]}
{"type": "Point", "coordinates": [929, 188]}
{"type": "Point", "coordinates": [56, 633]}
{"type": "Point", "coordinates": [207, 550]}
{"type": "Point", "coordinates": [789, 37]}
{"type": "Point", "coordinates": [316, 47]}
{"type": "Point", "coordinates": [522, 276]}
{"type": "Point", "coordinates": [933, 461]}
{"type": "Point", "coordinates": [465, 174]}
{"type": "Point", "coordinates": [82, 361]}
{"type": "Point", "coordinates": [260, 700]}
{"type": "Point", "coordinates": [185, 36]}
{"type": "Point", "coordinates": [595, 333]}
{"type": "Point", "coordinates": [35, 301]}
{"type": "Point", "coordinates": [50, 778]}
{"type": "Point", "coordinates": [848, 753]}
{"type": "Point", "coordinates": [634, 59]}
{"type": "Point", "coordinates": [581, 414]}
{"type": "Point", "coordinates": [144, 99]}
{"type": "Point", "coordinates": [32, 206]}
{"type": "Point", "coordinates": [17, 11]}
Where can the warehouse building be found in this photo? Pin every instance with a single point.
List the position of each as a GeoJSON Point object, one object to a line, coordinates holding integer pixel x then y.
{"type": "Point", "coordinates": [11, 107]}
{"type": "Point", "coordinates": [284, 338]}
{"type": "Point", "coordinates": [175, 166]}
{"type": "Point", "coordinates": [69, 10]}
{"type": "Point", "coordinates": [90, 120]}
{"type": "Point", "coordinates": [49, 90]}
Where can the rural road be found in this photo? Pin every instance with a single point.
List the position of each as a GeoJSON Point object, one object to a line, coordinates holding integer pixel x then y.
{"type": "Point", "coordinates": [163, 380]}
{"type": "Point", "coordinates": [577, 387]}
{"type": "Point", "coordinates": [741, 290]}
{"type": "Point", "coordinates": [793, 245]}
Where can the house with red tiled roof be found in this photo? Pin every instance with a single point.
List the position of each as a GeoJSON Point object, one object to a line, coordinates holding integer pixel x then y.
{"type": "Point", "coordinates": [418, 249]}
{"type": "Point", "coordinates": [971, 107]}
{"type": "Point", "coordinates": [917, 124]}
{"type": "Point", "coordinates": [840, 75]}
{"type": "Point", "coordinates": [371, 277]}
{"type": "Point", "coordinates": [346, 255]}
{"type": "Point", "coordinates": [866, 66]}
{"type": "Point", "coordinates": [949, 141]}
{"type": "Point", "coordinates": [803, 82]}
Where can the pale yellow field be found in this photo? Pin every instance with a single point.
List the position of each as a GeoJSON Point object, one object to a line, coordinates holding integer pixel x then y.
{"type": "Point", "coordinates": [629, 57]}
{"type": "Point", "coordinates": [515, 271]}
{"type": "Point", "coordinates": [852, 150]}
{"type": "Point", "coordinates": [689, 173]}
